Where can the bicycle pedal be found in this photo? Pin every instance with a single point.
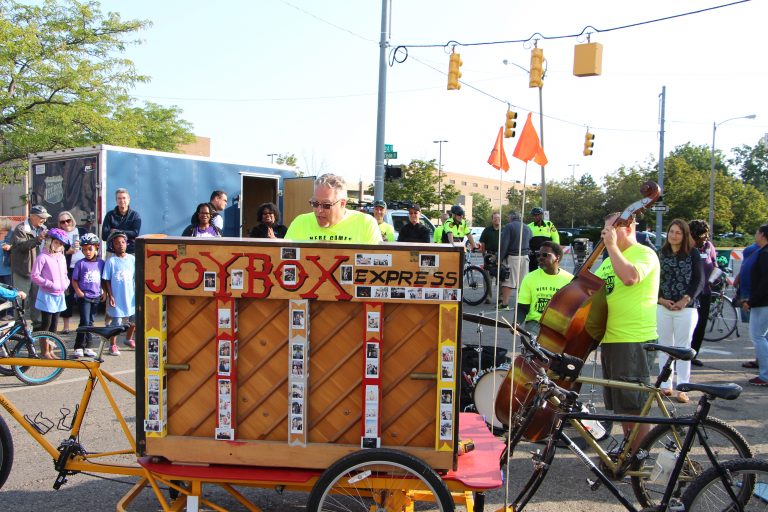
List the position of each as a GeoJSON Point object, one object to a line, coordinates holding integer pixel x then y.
{"type": "Point", "coordinates": [593, 484]}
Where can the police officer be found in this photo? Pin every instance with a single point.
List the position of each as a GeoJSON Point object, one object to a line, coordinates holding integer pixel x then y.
{"type": "Point", "coordinates": [456, 228]}
{"type": "Point", "coordinates": [541, 231]}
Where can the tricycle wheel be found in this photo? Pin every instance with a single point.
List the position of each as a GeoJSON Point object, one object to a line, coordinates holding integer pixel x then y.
{"type": "Point", "coordinates": [6, 452]}
{"type": "Point", "coordinates": [380, 480]}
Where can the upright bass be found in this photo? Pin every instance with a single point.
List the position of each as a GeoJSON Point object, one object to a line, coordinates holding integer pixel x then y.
{"type": "Point", "coordinates": [573, 323]}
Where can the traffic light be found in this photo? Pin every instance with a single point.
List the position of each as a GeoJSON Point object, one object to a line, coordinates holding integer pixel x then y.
{"type": "Point", "coordinates": [453, 72]}
{"type": "Point", "coordinates": [537, 68]}
{"type": "Point", "coordinates": [509, 126]}
{"type": "Point", "coordinates": [589, 142]}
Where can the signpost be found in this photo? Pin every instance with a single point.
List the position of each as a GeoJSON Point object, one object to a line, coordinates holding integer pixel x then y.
{"type": "Point", "coordinates": [389, 152]}
{"type": "Point", "coordinates": [659, 207]}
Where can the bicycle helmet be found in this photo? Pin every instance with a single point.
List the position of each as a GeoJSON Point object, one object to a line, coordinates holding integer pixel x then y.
{"type": "Point", "coordinates": [89, 239]}
{"type": "Point", "coordinates": [114, 235]}
{"type": "Point", "coordinates": [537, 211]}
{"type": "Point", "coordinates": [60, 235]}
{"type": "Point", "coordinates": [722, 262]}
{"type": "Point", "coordinates": [457, 210]}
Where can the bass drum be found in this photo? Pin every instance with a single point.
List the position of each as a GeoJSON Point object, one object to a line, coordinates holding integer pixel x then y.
{"type": "Point", "coordinates": [484, 396]}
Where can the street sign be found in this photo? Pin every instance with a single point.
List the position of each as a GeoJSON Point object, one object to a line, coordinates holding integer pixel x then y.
{"type": "Point", "coordinates": [388, 155]}
{"type": "Point", "coordinates": [659, 207]}
{"type": "Point", "coordinates": [388, 148]}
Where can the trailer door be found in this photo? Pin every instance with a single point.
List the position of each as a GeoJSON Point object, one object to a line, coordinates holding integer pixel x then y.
{"type": "Point", "coordinates": [296, 195]}
{"type": "Point", "coordinates": [255, 190]}
{"type": "Point", "coordinates": [69, 184]}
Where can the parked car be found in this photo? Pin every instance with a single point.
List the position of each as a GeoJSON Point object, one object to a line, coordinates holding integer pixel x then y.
{"type": "Point", "coordinates": [398, 219]}
{"type": "Point", "coordinates": [476, 232]}
{"type": "Point", "coordinates": [731, 234]}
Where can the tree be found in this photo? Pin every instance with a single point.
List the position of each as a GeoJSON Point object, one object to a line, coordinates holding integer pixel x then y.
{"type": "Point", "coordinates": [481, 210]}
{"type": "Point", "coordinates": [66, 84]}
{"type": "Point", "coordinates": [286, 159]}
{"type": "Point", "coordinates": [419, 184]}
{"type": "Point", "coordinates": [753, 165]}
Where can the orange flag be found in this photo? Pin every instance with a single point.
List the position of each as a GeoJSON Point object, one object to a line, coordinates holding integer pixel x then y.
{"type": "Point", "coordinates": [528, 146]}
{"type": "Point", "coordinates": [498, 157]}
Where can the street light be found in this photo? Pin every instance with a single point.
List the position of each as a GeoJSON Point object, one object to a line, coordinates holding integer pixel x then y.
{"type": "Point", "coordinates": [712, 170]}
{"type": "Point", "coordinates": [440, 173]}
{"type": "Point", "coordinates": [541, 128]}
{"type": "Point", "coordinates": [272, 157]}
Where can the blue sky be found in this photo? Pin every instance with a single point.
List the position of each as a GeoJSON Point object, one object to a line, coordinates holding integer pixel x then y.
{"type": "Point", "coordinates": [297, 76]}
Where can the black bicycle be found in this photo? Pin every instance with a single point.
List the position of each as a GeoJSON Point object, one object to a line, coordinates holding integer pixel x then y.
{"type": "Point", "coordinates": [723, 318]}
{"type": "Point", "coordinates": [16, 340]}
{"type": "Point", "coordinates": [684, 482]}
{"type": "Point", "coordinates": [477, 279]}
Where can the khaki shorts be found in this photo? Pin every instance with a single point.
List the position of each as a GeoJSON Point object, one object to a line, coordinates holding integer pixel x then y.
{"type": "Point", "coordinates": [518, 269]}
{"type": "Point", "coordinates": [626, 362]}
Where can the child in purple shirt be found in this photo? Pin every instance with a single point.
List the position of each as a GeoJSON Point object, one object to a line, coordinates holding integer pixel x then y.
{"type": "Point", "coordinates": [86, 281]}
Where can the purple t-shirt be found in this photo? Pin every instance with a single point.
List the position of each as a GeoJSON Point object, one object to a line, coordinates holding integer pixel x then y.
{"type": "Point", "coordinates": [87, 273]}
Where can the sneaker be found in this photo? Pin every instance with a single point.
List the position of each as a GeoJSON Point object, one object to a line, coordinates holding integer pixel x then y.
{"type": "Point", "coordinates": [90, 353]}
{"type": "Point", "coordinates": [696, 362]}
{"type": "Point", "coordinates": [757, 381]}
{"type": "Point", "coordinates": [114, 351]}
{"type": "Point", "coordinates": [130, 343]}
{"type": "Point", "coordinates": [504, 308]}
{"type": "Point", "coordinates": [78, 353]}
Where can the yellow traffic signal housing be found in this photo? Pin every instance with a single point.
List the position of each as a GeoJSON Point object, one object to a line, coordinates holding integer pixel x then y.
{"type": "Point", "coordinates": [510, 124]}
{"type": "Point", "coordinates": [453, 72]}
{"type": "Point", "coordinates": [588, 59]}
{"type": "Point", "coordinates": [589, 142]}
{"type": "Point", "coordinates": [536, 78]}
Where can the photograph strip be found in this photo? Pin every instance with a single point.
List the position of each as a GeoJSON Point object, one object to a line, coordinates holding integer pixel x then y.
{"type": "Point", "coordinates": [372, 343]}
{"type": "Point", "coordinates": [226, 370]}
{"type": "Point", "coordinates": [446, 383]}
{"type": "Point", "coordinates": [155, 357]}
{"type": "Point", "coordinates": [298, 371]}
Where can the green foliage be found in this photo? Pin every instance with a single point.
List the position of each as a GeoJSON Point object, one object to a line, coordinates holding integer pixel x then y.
{"type": "Point", "coordinates": [753, 165]}
{"type": "Point", "coordinates": [481, 210]}
{"type": "Point", "coordinates": [419, 184]}
{"type": "Point", "coordinates": [286, 159]}
{"type": "Point", "coordinates": [67, 84]}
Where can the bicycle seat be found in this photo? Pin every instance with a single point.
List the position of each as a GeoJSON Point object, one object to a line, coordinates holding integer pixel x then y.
{"type": "Point", "coordinates": [105, 332]}
{"type": "Point", "coordinates": [729, 391]}
{"type": "Point", "coordinates": [684, 354]}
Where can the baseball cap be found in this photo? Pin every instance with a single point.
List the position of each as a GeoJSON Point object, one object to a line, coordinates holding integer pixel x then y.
{"type": "Point", "coordinates": [415, 206]}
{"type": "Point", "coordinates": [40, 211]}
{"type": "Point", "coordinates": [381, 203]}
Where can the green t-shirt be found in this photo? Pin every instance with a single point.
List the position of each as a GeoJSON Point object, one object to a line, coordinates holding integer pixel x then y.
{"type": "Point", "coordinates": [438, 237]}
{"type": "Point", "coordinates": [459, 230]}
{"type": "Point", "coordinates": [354, 228]}
{"type": "Point", "coordinates": [537, 289]}
{"type": "Point", "coordinates": [632, 309]}
{"type": "Point", "coordinates": [387, 232]}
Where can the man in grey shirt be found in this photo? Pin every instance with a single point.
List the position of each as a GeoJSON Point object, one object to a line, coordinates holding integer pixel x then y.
{"type": "Point", "coordinates": [514, 248]}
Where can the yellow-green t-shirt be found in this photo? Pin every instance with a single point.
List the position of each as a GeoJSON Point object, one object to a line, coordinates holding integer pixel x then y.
{"type": "Point", "coordinates": [387, 232]}
{"type": "Point", "coordinates": [632, 309]}
{"type": "Point", "coordinates": [537, 289]}
{"type": "Point", "coordinates": [354, 228]}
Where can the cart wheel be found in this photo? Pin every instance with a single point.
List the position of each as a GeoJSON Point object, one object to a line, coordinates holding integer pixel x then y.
{"type": "Point", "coordinates": [379, 480]}
{"type": "Point", "coordinates": [479, 498]}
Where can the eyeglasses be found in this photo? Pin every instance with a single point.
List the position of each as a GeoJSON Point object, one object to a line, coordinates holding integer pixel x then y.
{"type": "Point", "coordinates": [65, 221]}
{"type": "Point", "coordinates": [324, 206]}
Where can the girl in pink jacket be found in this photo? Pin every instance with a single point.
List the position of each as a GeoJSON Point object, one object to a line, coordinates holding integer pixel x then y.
{"type": "Point", "coordinates": [49, 273]}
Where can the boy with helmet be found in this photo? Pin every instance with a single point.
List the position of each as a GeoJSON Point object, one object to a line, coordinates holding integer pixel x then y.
{"type": "Point", "coordinates": [119, 281]}
{"type": "Point", "coordinates": [49, 273]}
{"type": "Point", "coordinates": [86, 281]}
{"type": "Point", "coordinates": [541, 231]}
{"type": "Point", "coordinates": [456, 228]}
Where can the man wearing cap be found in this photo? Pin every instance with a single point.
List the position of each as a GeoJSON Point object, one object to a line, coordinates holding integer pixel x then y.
{"type": "Point", "coordinates": [387, 231]}
{"type": "Point", "coordinates": [541, 231]}
{"type": "Point", "coordinates": [25, 243]}
{"type": "Point", "coordinates": [456, 228]}
{"type": "Point", "coordinates": [414, 231]}
{"type": "Point", "coordinates": [330, 220]}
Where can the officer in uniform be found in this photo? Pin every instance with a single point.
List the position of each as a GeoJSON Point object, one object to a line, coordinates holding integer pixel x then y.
{"type": "Point", "coordinates": [456, 228]}
{"type": "Point", "coordinates": [541, 231]}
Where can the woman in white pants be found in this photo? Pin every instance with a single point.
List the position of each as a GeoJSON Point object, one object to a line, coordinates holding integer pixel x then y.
{"type": "Point", "coordinates": [681, 282]}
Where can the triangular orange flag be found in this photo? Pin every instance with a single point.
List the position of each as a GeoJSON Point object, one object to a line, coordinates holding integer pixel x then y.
{"type": "Point", "coordinates": [528, 146]}
{"type": "Point", "coordinates": [498, 157]}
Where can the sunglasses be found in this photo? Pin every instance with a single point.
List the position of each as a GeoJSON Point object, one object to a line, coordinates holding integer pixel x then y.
{"type": "Point", "coordinates": [65, 221]}
{"type": "Point", "coordinates": [325, 206]}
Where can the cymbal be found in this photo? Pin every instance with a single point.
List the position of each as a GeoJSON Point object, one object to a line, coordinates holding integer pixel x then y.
{"type": "Point", "coordinates": [485, 320]}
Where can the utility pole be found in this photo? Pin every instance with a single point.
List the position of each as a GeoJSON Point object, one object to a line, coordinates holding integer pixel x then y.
{"type": "Point", "coordinates": [659, 214]}
{"type": "Point", "coordinates": [378, 181]}
{"type": "Point", "coordinates": [440, 173]}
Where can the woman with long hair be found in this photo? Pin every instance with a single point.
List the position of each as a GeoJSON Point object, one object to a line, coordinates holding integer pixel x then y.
{"type": "Point", "coordinates": [201, 224]}
{"type": "Point", "coordinates": [680, 283]}
{"type": "Point", "coordinates": [73, 254]}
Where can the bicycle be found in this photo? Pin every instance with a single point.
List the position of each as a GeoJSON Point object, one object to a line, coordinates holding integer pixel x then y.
{"type": "Point", "coordinates": [616, 459]}
{"type": "Point", "coordinates": [477, 279]}
{"type": "Point", "coordinates": [26, 347]}
{"type": "Point", "coordinates": [723, 318]}
{"type": "Point", "coordinates": [674, 470]}
{"type": "Point", "coordinates": [70, 456]}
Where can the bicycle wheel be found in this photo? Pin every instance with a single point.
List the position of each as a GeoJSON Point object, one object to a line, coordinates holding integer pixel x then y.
{"type": "Point", "coordinates": [477, 285]}
{"type": "Point", "coordinates": [6, 452]}
{"type": "Point", "coordinates": [34, 375]}
{"type": "Point", "coordinates": [747, 479]}
{"type": "Point", "coordinates": [724, 440]}
{"type": "Point", "coordinates": [379, 479]}
{"type": "Point", "coordinates": [722, 318]}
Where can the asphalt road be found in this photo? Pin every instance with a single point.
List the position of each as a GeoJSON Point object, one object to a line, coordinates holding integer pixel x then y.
{"type": "Point", "coordinates": [29, 487]}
